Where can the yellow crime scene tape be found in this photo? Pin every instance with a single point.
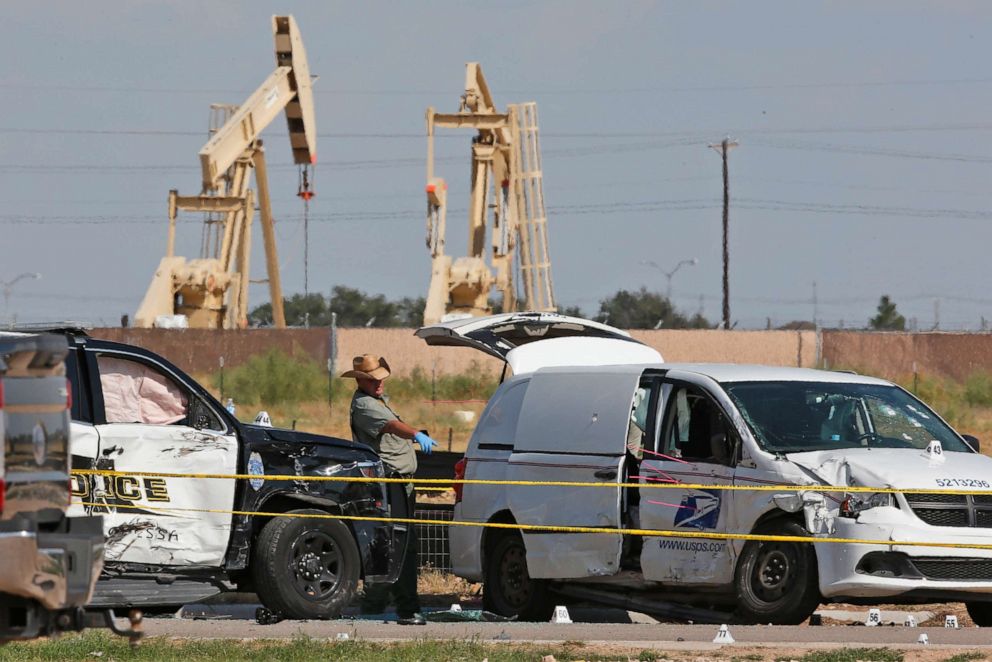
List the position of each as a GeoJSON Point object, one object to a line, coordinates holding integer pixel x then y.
{"type": "Point", "coordinates": [547, 528]}
{"type": "Point", "coordinates": [447, 482]}
{"type": "Point", "coordinates": [656, 533]}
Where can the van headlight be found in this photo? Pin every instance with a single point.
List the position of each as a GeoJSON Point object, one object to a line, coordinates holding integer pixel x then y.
{"type": "Point", "coordinates": [857, 503]}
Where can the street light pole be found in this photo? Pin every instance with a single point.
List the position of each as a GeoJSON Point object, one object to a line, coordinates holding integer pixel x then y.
{"type": "Point", "coordinates": [668, 274]}
{"type": "Point", "coordinates": [8, 286]}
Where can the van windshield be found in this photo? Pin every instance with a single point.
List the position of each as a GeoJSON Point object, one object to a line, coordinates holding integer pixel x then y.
{"type": "Point", "coordinates": [794, 417]}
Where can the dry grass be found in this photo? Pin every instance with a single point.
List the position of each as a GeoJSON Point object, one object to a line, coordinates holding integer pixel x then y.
{"type": "Point", "coordinates": [99, 644]}
{"type": "Point", "coordinates": [319, 417]}
{"type": "Point", "coordinates": [442, 588]}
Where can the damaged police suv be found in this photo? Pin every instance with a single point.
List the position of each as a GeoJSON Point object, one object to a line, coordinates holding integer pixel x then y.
{"type": "Point", "coordinates": [171, 540]}
{"type": "Point", "coordinates": [586, 403]}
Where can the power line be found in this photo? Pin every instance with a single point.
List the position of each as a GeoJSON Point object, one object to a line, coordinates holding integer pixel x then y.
{"type": "Point", "coordinates": [541, 90]}
{"type": "Point", "coordinates": [870, 151]}
{"type": "Point", "coordinates": [785, 301]}
{"type": "Point", "coordinates": [865, 210]}
{"type": "Point", "coordinates": [353, 164]}
{"type": "Point", "coordinates": [860, 187]}
{"type": "Point", "coordinates": [646, 133]}
{"type": "Point", "coordinates": [625, 207]}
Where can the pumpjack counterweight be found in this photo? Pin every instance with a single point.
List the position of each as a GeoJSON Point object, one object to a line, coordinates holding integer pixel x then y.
{"type": "Point", "coordinates": [212, 291]}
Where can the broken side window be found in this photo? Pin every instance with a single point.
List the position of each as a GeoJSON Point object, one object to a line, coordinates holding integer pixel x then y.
{"type": "Point", "coordinates": [134, 392]}
{"type": "Point", "coordinates": [696, 429]}
{"type": "Point", "coordinates": [642, 428]}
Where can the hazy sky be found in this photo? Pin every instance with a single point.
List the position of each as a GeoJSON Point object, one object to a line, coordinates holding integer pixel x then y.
{"type": "Point", "coordinates": [864, 160]}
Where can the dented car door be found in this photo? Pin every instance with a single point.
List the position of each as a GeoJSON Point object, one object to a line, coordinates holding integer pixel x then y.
{"type": "Point", "coordinates": [696, 446]}
{"type": "Point", "coordinates": [575, 433]}
{"type": "Point", "coordinates": [150, 420]}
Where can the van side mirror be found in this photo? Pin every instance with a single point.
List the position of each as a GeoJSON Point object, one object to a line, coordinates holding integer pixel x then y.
{"type": "Point", "coordinates": [972, 441]}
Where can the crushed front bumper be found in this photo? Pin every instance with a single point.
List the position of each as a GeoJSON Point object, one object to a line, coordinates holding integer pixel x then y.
{"type": "Point", "coordinates": [856, 570]}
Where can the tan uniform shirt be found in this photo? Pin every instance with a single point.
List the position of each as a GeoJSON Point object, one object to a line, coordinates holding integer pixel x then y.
{"type": "Point", "coordinates": [369, 415]}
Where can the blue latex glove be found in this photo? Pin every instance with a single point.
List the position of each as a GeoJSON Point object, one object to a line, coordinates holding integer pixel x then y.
{"type": "Point", "coordinates": [426, 443]}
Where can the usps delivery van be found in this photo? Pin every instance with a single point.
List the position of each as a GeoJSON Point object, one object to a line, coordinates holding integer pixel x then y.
{"type": "Point", "coordinates": [587, 403]}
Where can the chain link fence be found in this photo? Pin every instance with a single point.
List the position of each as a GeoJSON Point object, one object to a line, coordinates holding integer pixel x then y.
{"type": "Point", "coordinates": [432, 539]}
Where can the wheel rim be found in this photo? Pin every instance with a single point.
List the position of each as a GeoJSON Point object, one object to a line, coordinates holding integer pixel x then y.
{"type": "Point", "coordinates": [774, 570]}
{"type": "Point", "coordinates": [514, 581]}
{"type": "Point", "coordinates": [314, 564]}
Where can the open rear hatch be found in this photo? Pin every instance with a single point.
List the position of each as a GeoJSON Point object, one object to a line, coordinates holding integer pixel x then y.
{"type": "Point", "coordinates": [529, 341]}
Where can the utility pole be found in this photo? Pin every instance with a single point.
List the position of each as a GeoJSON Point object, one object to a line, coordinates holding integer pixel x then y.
{"type": "Point", "coordinates": [723, 147]}
{"type": "Point", "coordinates": [815, 310]}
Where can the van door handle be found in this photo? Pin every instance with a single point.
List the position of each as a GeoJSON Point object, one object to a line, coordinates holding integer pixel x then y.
{"type": "Point", "coordinates": [606, 474]}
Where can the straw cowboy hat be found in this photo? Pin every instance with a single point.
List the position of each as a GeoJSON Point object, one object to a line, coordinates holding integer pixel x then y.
{"type": "Point", "coordinates": [369, 366]}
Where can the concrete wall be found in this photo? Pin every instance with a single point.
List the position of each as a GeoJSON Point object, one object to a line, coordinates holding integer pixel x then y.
{"type": "Point", "coordinates": [199, 350]}
{"type": "Point", "coordinates": [892, 354]}
{"type": "Point", "coordinates": [784, 348]}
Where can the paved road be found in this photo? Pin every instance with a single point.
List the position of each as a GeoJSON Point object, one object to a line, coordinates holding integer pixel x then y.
{"type": "Point", "coordinates": [236, 623]}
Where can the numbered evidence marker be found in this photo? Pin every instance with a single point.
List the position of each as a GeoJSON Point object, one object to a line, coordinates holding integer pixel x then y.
{"type": "Point", "coordinates": [924, 639]}
{"type": "Point", "coordinates": [343, 636]}
{"type": "Point", "coordinates": [723, 636]}
{"type": "Point", "coordinates": [561, 615]}
{"type": "Point", "coordinates": [910, 621]}
{"type": "Point", "coordinates": [935, 452]}
{"type": "Point", "coordinates": [951, 621]}
{"type": "Point", "coordinates": [455, 606]}
{"type": "Point", "coordinates": [874, 617]}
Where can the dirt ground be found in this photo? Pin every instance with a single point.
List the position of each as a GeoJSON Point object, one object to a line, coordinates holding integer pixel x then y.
{"type": "Point", "coordinates": [438, 589]}
{"type": "Point", "coordinates": [441, 589]}
{"type": "Point", "coordinates": [762, 654]}
{"type": "Point", "coordinates": [939, 610]}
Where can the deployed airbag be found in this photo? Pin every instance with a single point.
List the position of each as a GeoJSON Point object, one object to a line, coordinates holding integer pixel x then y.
{"type": "Point", "coordinates": [135, 393]}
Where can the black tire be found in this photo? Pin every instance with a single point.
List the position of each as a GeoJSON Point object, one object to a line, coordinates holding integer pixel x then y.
{"type": "Point", "coordinates": [980, 612]}
{"type": "Point", "coordinates": [508, 588]}
{"type": "Point", "coordinates": [305, 568]}
{"type": "Point", "coordinates": [776, 582]}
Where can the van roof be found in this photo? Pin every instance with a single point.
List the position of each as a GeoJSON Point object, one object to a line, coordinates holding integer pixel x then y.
{"type": "Point", "coordinates": [736, 372]}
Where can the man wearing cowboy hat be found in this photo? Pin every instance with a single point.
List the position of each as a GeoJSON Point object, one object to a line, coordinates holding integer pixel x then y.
{"type": "Point", "coordinates": [373, 423]}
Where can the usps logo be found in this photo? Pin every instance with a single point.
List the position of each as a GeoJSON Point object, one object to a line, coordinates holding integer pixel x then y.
{"type": "Point", "coordinates": [698, 510]}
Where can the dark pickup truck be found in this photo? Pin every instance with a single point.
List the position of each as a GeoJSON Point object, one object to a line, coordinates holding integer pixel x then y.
{"type": "Point", "coordinates": [50, 561]}
{"type": "Point", "coordinates": [175, 540]}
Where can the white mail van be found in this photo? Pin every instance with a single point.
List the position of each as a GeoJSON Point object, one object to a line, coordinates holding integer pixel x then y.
{"type": "Point", "coordinates": [586, 403]}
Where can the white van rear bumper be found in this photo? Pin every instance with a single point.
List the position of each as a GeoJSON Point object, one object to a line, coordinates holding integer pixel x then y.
{"type": "Point", "coordinates": [465, 545]}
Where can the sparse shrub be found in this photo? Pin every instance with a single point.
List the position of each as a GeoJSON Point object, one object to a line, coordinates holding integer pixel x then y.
{"type": "Point", "coordinates": [473, 384]}
{"type": "Point", "coordinates": [978, 389]}
{"type": "Point", "coordinates": [278, 378]}
{"type": "Point", "coordinates": [274, 378]}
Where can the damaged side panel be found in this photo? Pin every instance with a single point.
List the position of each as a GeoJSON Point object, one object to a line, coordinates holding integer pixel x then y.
{"type": "Point", "coordinates": [301, 454]}
{"type": "Point", "coordinates": [162, 521]}
{"type": "Point", "coordinates": [672, 560]}
{"type": "Point", "coordinates": [816, 509]}
{"type": "Point", "coordinates": [713, 561]}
